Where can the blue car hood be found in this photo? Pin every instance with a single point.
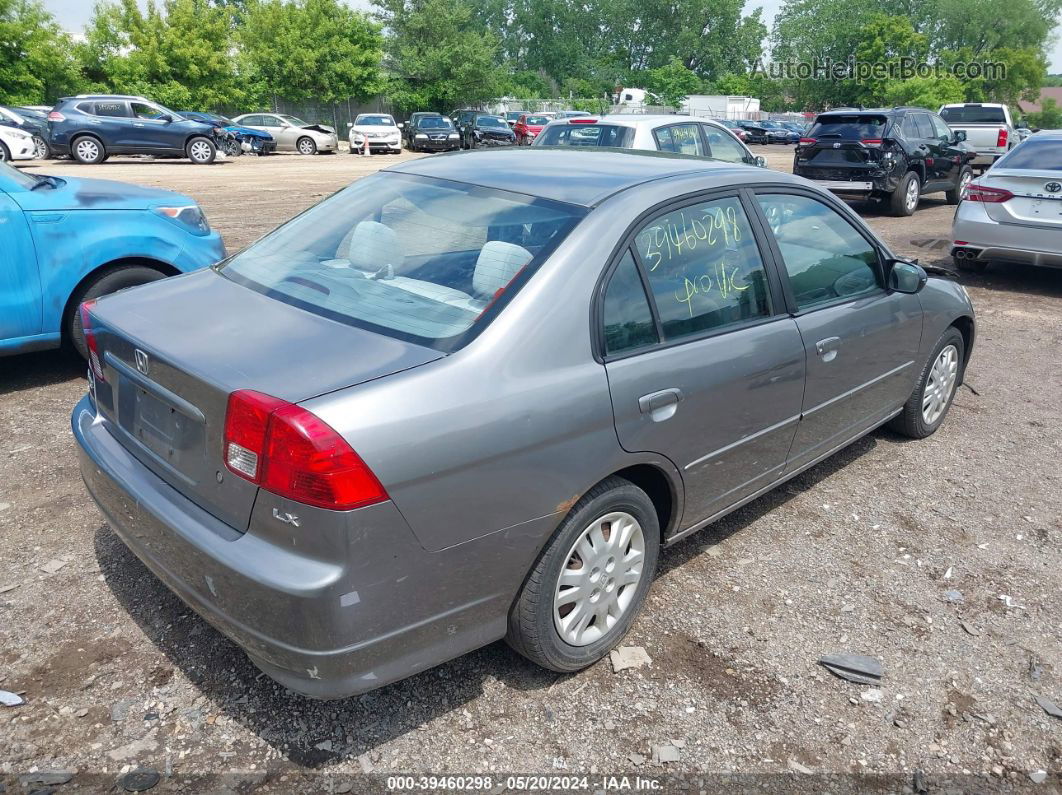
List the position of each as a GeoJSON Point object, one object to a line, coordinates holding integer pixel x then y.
{"type": "Point", "coordinates": [235, 128]}
{"type": "Point", "coordinates": [96, 194]}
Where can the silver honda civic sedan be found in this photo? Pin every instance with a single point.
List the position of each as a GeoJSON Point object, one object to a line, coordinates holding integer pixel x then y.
{"type": "Point", "coordinates": [471, 397]}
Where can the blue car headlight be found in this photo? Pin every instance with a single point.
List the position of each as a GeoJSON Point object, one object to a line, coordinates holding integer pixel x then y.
{"type": "Point", "coordinates": [188, 216]}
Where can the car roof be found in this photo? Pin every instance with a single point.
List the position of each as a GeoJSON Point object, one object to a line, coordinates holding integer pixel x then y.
{"type": "Point", "coordinates": [585, 177]}
{"type": "Point", "coordinates": [640, 119]}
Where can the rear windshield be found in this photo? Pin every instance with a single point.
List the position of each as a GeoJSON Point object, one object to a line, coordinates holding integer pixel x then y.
{"type": "Point", "coordinates": [537, 120]}
{"type": "Point", "coordinates": [855, 127]}
{"type": "Point", "coordinates": [1044, 154]}
{"type": "Point", "coordinates": [974, 114]}
{"type": "Point", "coordinates": [586, 135]}
{"type": "Point", "coordinates": [429, 261]}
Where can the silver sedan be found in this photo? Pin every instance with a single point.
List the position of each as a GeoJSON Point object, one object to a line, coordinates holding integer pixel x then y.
{"type": "Point", "coordinates": [291, 133]}
{"type": "Point", "coordinates": [1013, 212]}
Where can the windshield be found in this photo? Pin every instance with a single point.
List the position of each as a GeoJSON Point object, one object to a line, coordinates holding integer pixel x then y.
{"type": "Point", "coordinates": [536, 120]}
{"type": "Point", "coordinates": [850, 127]}
{"type": "Point", "coordinates": [421, 259]}
{"type": "Point", "coordinates": [434, 123]}
{"type": "Point", "coordinates": [586, 135]}
{"type": "Point", "coordinates": [294, 121]}
{"type": "Point", "coordinates": [21, 179]}
{"type": "Point", "coordinates": [491, 121]}
{"type": "Point", "coordinates": [974, 114]}
{"type": "Point", "coordinates": [1035, 154]}
{"type": "Point", "coordinates": [375, 121]}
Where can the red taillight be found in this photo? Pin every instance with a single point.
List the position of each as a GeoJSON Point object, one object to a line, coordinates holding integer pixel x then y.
{"type": "Point", "coordinates": [582, 121]}
{"type": "Point", "coordinates": [872, 141]}
{"type": "Point", "coordinates": [979, 193]}
{"type": "Point", "coordinates": [91, 343]}
{"type": "Point", "coordinates": [293, 453]}
{"type": "Point", "coordinates": [1001, 139]}
{"type": "Point", "coordinates": [808, 140]}
{"type": "Point", "coordinates": [56, 116]}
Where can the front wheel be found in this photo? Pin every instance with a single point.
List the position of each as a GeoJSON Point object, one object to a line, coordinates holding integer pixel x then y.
{"type": "Point", "coordinates": [954, 195]}
{"type": "Point", "coordinates": [904, 200]}
{"type": "Point", "coordinates": [591, 580]}
{"type": "Point", "coordinates": [201, 151]}
{"type": "Point", "coordinates": [925, 410]}
{"type": "Point", "coordinates": [232, 148]}
{"type": "Point", "coordinates": [5, 155]}
{"type": "Point", "coordinates": [108, 282]}
{"type": "Point", "coordinates": [306, 146]}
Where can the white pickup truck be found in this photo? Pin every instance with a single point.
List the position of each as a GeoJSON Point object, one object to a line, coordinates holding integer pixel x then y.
{"type": "Point", "coordinates": [989, 129]}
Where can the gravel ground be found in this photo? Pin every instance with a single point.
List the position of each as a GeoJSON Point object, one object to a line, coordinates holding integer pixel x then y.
{"type": "Point", "coordinates": [897, 549]}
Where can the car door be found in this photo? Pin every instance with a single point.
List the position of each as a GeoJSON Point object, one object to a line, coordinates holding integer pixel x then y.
{"type": "Point", "coordinates": [284, 134]}
{"type": "Point", "coordinates": [946, 159]}
{"type": "Point", "coordinates": [113, 124]}
{"type": "Point", "coordinates": [150, 131]}
{"type": "Point", "coordinates": [704, 366]}
{"type": "Point", "coordinates": [683, 139]}
{"type": "Point", "coordinates": [20, 286]}
{"type": "Point", "coordinates": [723, 146]}
{"type": "Point", "coordinates": [861, 340]}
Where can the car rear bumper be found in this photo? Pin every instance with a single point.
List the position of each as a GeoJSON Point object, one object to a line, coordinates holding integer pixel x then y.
{"type": "Point", "coordinates": [325, 621]}
{"type": "Point", "coordinates": [989, 240]}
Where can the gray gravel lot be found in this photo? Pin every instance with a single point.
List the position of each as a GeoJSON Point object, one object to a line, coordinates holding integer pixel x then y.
{"type": "Point", "coordinates": [859, 554]}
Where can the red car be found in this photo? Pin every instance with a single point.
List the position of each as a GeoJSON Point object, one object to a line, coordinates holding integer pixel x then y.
{"type": "Point", "coordinates": [528, 126]}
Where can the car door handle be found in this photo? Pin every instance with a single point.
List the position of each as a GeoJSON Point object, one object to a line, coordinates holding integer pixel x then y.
{"type": "Point", "coordinates": [660, 405]}
{"type": "Point", "coordinates": [138, 124]}
{"type": "Point", "coordinates": [827, 348]}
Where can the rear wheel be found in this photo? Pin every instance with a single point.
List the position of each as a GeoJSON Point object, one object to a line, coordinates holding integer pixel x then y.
{"type": "Point", "coordinates": [88, 150]}
{"type": "Point", "coordinates": [201, 151]}
{"type": "Point", "coordinates": [928, 405]}
{"type": "Point", "coordinates": [590, 581]}
{"type": "Point", "coordinates": [40, 148]}
{"type": "Point", "coordinates": [306, 146]}
{"type": "Point", "coordinates": [110, 281]}
{"type": "Point", "coordinates": [954, 195]}
{"type": "Point", "coordinates": [5, 155]}
{"type": "Point", "coordinates": [904, 200]}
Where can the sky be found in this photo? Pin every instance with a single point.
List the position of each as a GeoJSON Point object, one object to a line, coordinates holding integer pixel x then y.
{"type": "Point", "coordinates": [73, 14]}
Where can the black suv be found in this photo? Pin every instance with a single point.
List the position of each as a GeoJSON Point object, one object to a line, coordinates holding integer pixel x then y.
{"type": "Point", "coordinates": [90, 128]}
{"type": "Point", "coordinates": [894, 155]}
{"type": "Point", "coordinates": [478, 128]}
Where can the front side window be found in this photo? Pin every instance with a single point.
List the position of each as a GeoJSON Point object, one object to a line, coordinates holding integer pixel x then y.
{"type": "Point", "coordinates": [142, 111]}
{"type": "Point", "coordinates": [826, 259]}
{"type": "Point", "coordinates": [722, 146]}
{"type": "Point", "coordinates": [411, 257]}
{"type": "Point", "coordinates": [924, 125]}
{"type": "Point", "coordinates": [940, 129]}
{"type": "Point", "coordinates": [683, 139]}
{"type": "Point", "coordinates": [704, 268]}
{"type": "Point", "coordinates": [294, 121]}
{"type": "Point", "coordinates": [626, 316]}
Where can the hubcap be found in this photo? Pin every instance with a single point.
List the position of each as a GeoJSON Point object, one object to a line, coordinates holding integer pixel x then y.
{"type": "Point", "coordinates": [940, 385]}
{"type": "Point", "coordinates": [912, 194]}
{"type": "Point", "coordinates": [599, 579]}
{"type": "Point", "coordinates": [200, 150]}
{"type": "Point", "coordinates": [87, 150]}
{"type": "Point", "coordinates": [40, 148]}
{"type": "Point", "coordinates": [305, 147]}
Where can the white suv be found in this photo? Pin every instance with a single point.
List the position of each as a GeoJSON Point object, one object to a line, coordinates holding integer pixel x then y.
{"type": "Point", "coordinates": [684, 135]}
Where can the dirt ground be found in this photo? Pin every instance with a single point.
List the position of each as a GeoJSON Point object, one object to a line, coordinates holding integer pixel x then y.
{"type": "Point", "coordinates": [941, 557]}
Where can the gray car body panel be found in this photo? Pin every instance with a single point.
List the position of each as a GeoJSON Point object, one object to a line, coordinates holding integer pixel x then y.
{"type": "Point", "coordinates": [482, 451]}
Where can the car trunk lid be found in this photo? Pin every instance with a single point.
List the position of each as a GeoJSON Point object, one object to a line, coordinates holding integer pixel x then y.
{"type": "Point", "coordinates": [1032, 203]}
{"type": "Point", "coordinates": [173, 351]}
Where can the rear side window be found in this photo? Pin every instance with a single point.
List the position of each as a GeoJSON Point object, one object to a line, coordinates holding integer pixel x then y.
{"type": "Point", "coordinates": [854, 127]}
{"type": "Point", "coordinates": [826, 258]}
{"type": "Point", "coordinates": [87, 107]}
{"type": "Point", "coordinates": [586, 135]}
{"type": "Point", "coordinates": [420, 259]}
{"type": "Point", "coordinates": [117, 109]}
{"type": "Point", "coordinates": [627, 319]}
{"type": "Point", "coordinates": [704, 268]}
{"type": "Point", "coordinates": [1035, 153]}
{"type": "Point", "coordinates": [973, 114]}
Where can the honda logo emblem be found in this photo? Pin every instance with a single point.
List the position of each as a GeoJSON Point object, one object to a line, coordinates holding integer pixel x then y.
{"type": "Point", "coordinates": [141, 361]}
{"type": "Point", "coordinates": [1053, 187]}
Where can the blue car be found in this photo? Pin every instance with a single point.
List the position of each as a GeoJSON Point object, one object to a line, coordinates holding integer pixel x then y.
{"type": "Point", "coordinates": [239, 139]}
{"type": "Point", "coordinates": [66, 241]}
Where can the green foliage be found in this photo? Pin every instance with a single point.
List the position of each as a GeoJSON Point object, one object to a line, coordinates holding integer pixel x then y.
{"type": "Point", "coordinates": [36, 56]}
{"type": "Point", "coordinates": [1049, 117]}
{"type": "Point", "coordinates": [438, 57]}
{"type": "Point", "coordinates": [318, 50]}
{"type": "Point", "coordinates": [671, 83]}
{"type": "Point", "coordinates": [925, 92]}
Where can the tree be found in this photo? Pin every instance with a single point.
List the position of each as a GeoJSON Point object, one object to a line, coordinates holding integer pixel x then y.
{"type": "Point", "coordinates": [437, 55]}
{"type": "Point", "coordinates": [672, 83]}
{"type": "Point", "coordinates": [317, 50]}
{"type": "Point", "coordinates": [36, 56]}
{"type": "Point", "coordinates": [1049, 117]}
{"type": "Point", "coordinates": [923, 92]}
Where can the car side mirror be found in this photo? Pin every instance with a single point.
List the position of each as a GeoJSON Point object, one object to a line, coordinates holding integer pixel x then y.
{"type": "Point", "coordinates": [761, 161]}
{"type": "Point", "coordinates": [350, 124]}
{"type": "Point", "coordinates": [401, 124]}
{"type": "Point", "coordinates": [906, 277]}
{"type": "Point", "coordinates": [960, 136]}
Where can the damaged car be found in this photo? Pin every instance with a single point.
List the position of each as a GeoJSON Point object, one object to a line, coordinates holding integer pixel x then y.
{"type": "Point", "coordinates": [292, 134]}
{"type": "Point", "coordinates": [235, 140]}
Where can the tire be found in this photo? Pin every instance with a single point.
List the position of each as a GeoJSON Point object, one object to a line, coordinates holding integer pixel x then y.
{"type": "Point", "coordinates": [533, 620]}
{"type": "Point", "coordinates": [232, 148]}
{"type": "Point", "coordinates": [904, 200]}
{"type": "Point", "coordinates": [306, 146]}
{"type": "Point", "coordinates": [88, 150]}
{"type": "Point", "coordinates": [916, 421]}
{"type": "Point", "coordinates": [41, 148]}
{"type": "Point", "coordinates": [110, 281]}
{"type": "Point", "coordinates": [954, 195]}
{"type": "Point", "coordinates": [201, 151]}
{"type": "Point", "coordinates": [5, 155]}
